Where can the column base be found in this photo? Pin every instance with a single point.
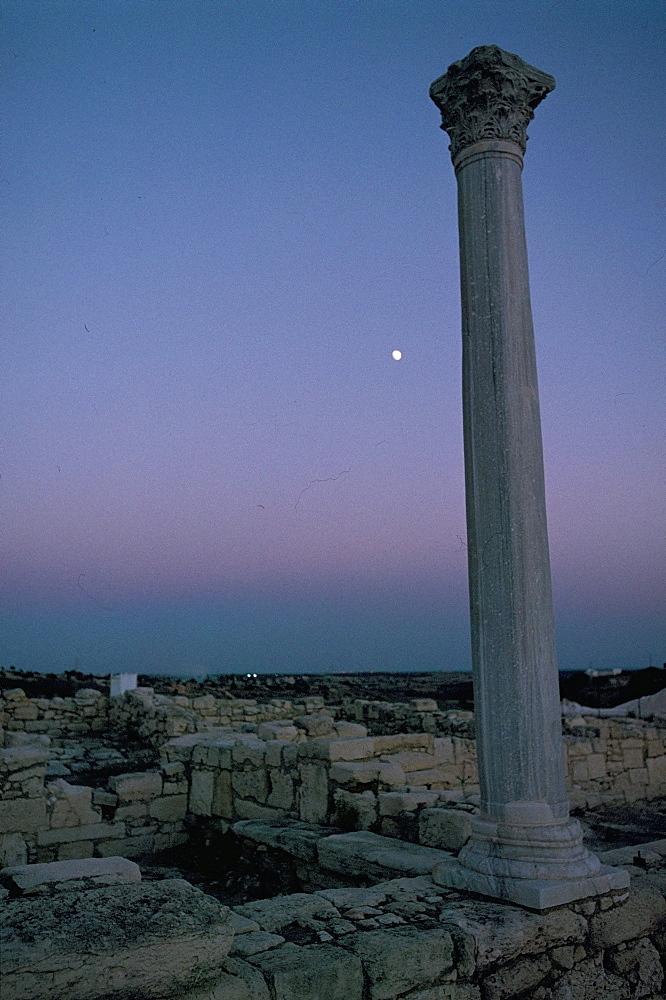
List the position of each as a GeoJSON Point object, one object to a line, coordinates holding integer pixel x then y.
{"type": "Point", "coordinates": [534, 894]}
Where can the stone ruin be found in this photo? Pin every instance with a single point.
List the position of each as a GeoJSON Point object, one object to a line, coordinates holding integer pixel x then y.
{"type": "Point", "coordinates": [429, 865]}
{"type": "Point", "coordinates": [363, 821]}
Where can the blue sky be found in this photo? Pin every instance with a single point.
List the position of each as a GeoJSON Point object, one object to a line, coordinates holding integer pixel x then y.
{"type": "Point", "coordinates": [219, 220]}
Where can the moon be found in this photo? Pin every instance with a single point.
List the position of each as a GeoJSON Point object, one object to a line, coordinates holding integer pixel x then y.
{"type": "Point", "coordinates": [396, 355]}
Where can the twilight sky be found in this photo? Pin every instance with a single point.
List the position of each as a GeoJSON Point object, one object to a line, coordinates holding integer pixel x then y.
{"type": "Point", "coordinates": [220, 218]}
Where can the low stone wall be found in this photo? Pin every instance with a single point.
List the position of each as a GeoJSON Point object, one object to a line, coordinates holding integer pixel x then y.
{"type": "Point", "coordinates": [353, 783]}
{"type": "Point", "coordinates": [140, 713]}
{"type": "Point", "coordinates": [156, 718]}
{"type": "Point", "coordinates": [614, 761]}
{"type": "Point", "coordinates": [419, 715]}
{"type": "Point", "coordinates": [85, 714]}
{"type": "Point", "coordinates": [414, 787]}
{"type": "Point", "coordinates": [137, 814]}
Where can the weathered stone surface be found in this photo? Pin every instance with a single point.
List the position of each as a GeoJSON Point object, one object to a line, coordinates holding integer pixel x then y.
{"type": "Point", "coordinates": [237, 980]}
{"type": "Point", "coordinates": [168, 808]}
{"type": "Point", "coordinates": [447, 829]}
{"type": "Point", "coordinates": [275, 914]}
{"type": "Point", "coordinates": [22, 815]}
{"type": "Point", "coordinates": [588, 980]}
{"type": "Point", "coordinates": [13, 850]}
{"type": "Point", "coordinates": [644, 910]}
{"type": "Point", "coordinates": [516, 978]}
{"type": "Point", "coordinates": [96, 831]}
{"type": "Point", "coordinates": [250, 784]}
{"type": "Point", "coordinates": [152, 940]}
{"type": "Point", "coordinates": [401, 959]}
{"type": "Point", "coordinates": [133, 786]}
{"type": "Point", "coordinates": [311, 972]}
{"type": "Point", "coordinates": [72, 805]}
{"type": "Point", "coordinates": [293, 836]}
{"type": "Point", "coordinates": [368, 854]}
{"type": "Point", "coordinates": [339, 749]}
{"type": "Point", "coordinates": [446, 991]}
{"type": "Point", "coordinates": [255, 942]}
{"type": "Point", "coordinates": [242, 925]}
{"type": "Point", "coordinates": [393, 803]}
{"type": "Point", "coordinates": [495, 933]}
{"type": "Point", "coordinates": [313, 796]}
{"type": "Point", "coordinates": [202, 788]}
{"type": "Point", "coordinates": [87, 873]}
{"type": "Point", "coordinates": [354, 810]}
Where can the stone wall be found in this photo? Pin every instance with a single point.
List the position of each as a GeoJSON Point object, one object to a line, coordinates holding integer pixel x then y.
{"type": "Point", "coordinates": [415, 787]}
{"type": "Point", "coordinates": [85, 714]}
{"type": "Point", "coordinates": [137, 814]}
{"type": "Point", "coordinates": [140, 713]}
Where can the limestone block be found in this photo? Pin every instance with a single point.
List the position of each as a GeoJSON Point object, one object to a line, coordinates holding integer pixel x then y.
{"type": "Point", "coordinates": [250, 784]}
{"type": "Point", "coordinates": [129, 847]}
{"type": "Point", "coordinates": [70, 834]}
{"type": "Point", "coordinates": [222, 801]}
{"type": "Point", "coordinates": [155, 940]}
{"type": "Point", "coordinates": [412, 760]}
{"type": "Point", "coordinates": [596, 765]}
{"type": "Point", "coordinates": [282, 790]}
{"type": "Point", "coordinates": [633, 757]}
{"type": "Point", "coordinates": [236, 980]}
{"type": "Point", "coordinates": [339, 749]}
{"type": "Point", "coordinates": [401, 959]}
{"type": "Point", "coordinates": [435, 778]}
{"type": "Point", "coordinates": [345, 730]}
{"type": "Point", "coordinates": [132, 786]}
{"type": "Point", "coordinates": [370, 855]}
{"type": "Point", "coordinates": [18, 758]}
{"type": "Point", "coordinates": [277, 731]}
{"type": "Point", "coordinates": [404, 741]}
{"type": "Point", "coordinates": [355, 773]}
{"type": "Point", "coordinates": [169, 808]}
{"type": "Point", "coordinates": [392, 803]}
{"type": "Point", "coordinates": [354, 810]}
{"type": "Point", "coordinates": [76, 850]}
{"type": "Point", "coordinates": [310, 972]}
{"type": "Point", "coordinates": [22, 815]}
{"type": "Point", "coordinates": [27, 711]}
{"type": "Point", "coordinates": [656, 771]}
{"type": "Point", "coordinates": [249, 751]}
{"type": "Point", "coordinates": [443, 750]}
{"type": "Point", "coordinates": [72, 805]}
{"type": "Point", "coordinates": [13, 850]}
{"type": "Point", "coordinates": [246, 809]}
{"type": "Point", "coordinates": [516, 978]}
{"type": "Point", "coordinates": [313, 793]}
{"type": "Point", "coordinates": [90, 873]}
{"type": "Point", "coordinates": [14, 694]}
{"type": "Point", "coordinates": [293, 836]}
{"type": "Point", "coordinates": [447, 829]}
{"type": "Point", "coordinates": [275, 914]}
{"type": "Point", "coordinates": [642, 913]}
{"type": "Point", "coordinates": [254, 943]}
{"type": "Point", "coordinates": [202, 788]}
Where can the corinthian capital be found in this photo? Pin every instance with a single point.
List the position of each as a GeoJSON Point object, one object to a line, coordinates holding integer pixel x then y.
{"type": "Point", "coordinates": [490, 94]}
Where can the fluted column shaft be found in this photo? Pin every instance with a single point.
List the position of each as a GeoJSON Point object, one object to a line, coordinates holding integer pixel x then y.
{"type": "Point", "coordinates": [523, 846]}
{"type": "Point", "coordinates": [517, 707]}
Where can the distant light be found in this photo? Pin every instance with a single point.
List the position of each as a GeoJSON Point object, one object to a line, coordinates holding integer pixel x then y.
{"type": "Point", "coordinates": [254, 675]}
{"type": "Point", "coordinates": [396, 355]}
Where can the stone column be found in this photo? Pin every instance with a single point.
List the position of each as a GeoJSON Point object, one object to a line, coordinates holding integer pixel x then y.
{"type": "Point", "coordinates": [524, 846]}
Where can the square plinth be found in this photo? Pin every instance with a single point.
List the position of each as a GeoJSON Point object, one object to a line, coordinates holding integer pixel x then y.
{"type": "Point", "coordinates": [534, 894]}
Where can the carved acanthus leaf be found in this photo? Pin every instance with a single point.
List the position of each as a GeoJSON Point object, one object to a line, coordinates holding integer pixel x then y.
{"type": "Point", "coordinates": [490, 94]}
